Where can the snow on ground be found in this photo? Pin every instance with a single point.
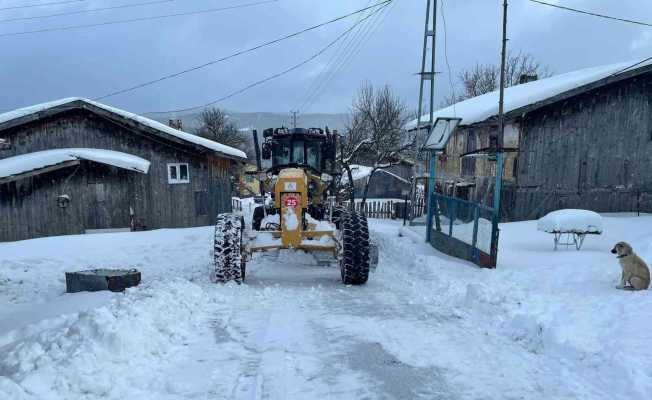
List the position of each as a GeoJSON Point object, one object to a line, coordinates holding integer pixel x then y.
{"type": "Point", "coordinates": [543, 325]}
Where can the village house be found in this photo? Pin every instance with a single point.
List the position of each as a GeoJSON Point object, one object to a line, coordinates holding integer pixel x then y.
{"type": "Point", "coordinates": [577, 140]}
{"type": "Point", "coordinates": [76, 166]}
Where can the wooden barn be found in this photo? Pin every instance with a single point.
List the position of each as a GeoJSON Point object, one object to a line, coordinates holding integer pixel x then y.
{"type": "Point", "coordinates": [76, 166]}
{"type": "Point", "coordinates": [577, 140]}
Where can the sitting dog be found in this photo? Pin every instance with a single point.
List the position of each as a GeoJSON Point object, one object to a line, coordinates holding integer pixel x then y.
{"type": "Point", "coordinates": [636, 274]}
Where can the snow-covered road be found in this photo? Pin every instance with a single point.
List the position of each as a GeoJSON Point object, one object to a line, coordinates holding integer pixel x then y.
{"type": "Point", "coordinates": [544, 325]}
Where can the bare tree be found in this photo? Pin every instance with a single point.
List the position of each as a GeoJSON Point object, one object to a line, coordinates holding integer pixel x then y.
{"type": "Point", "coordinates": [485, 78]}
{"type": "Point", "coordinates": [215, 125]}
{"type": "Point", "coordinates": [376, 133]}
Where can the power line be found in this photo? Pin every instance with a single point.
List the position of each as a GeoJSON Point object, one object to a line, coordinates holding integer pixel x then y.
{"type": "Point", "coordinates": [448, 65]}
{"type": "Point", "coordinates": [630, 67]}
{"type": "Point", "coordinates": [369, 29]}
{"type": "Point", "coordinates": [591, 13]}
{"type": "Point", "coordinates": [41, 4]}
{"type": "Point", "coordinates": [269, 78]}
{"type": "Point", "coordinates": [337, 61]}
{"type": "Point", "coordinates": [124, 21]}
{"type": "Point", "coordinates": [333, 61]}
{"type": "Point", "coordinates": [238, 53]}
{"type": "Point", "coordinates": [86, 11]}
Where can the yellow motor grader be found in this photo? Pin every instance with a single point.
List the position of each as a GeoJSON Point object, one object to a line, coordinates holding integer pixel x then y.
{"type": "Point", "coordinates": [300, 212]}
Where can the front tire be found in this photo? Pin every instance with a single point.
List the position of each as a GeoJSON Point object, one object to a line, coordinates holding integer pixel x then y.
{"type": "Point", "coordinates": [228, 262]}
{"type": "Point", "coordinates": [354, 263]}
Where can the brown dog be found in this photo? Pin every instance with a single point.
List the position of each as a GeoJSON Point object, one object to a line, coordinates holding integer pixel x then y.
{"type": "Point", "coordinates": [636, 274]}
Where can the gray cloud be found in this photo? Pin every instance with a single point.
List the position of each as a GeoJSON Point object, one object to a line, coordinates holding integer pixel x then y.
{"type": "Point", "coordinates": [95, 61]}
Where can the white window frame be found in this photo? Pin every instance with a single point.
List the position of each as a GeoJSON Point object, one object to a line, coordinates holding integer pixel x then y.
{"type": "Point", "coordinates": [177, 180]}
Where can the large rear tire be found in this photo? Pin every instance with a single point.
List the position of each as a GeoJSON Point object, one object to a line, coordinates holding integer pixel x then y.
{"type": "Point", "coordinates": [354, 263]}
{"type": "Point", "coordinates": [228, 262]}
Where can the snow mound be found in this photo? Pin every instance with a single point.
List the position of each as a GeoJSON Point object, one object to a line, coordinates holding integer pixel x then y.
{"type": "Point", "coordinates": [41, 159]}
{"type": "Point", "coordinates": [572, 221]}
{"type": "Point", "coordinates": [105, 352]}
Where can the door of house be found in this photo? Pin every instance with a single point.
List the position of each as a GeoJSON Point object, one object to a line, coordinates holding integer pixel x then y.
{"type": "Point", "coordinates": [110, 194]}
{"type": "Point", "coordinates": [468, 163]}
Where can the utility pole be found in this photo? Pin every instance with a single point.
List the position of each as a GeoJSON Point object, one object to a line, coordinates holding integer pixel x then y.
{"type": "Point", "coordinates": [294, 118]}
{"type": "Point", "coordinates": [429, 35]}
{"type": "Point", "coordinates": [501, 102]}
{"type": "Point", "coordinates": [500, 154]}
{"type": "Point", "coordinates": [427, 74]}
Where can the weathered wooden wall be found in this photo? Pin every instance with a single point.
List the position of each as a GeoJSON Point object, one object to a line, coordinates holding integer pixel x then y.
{"type": "Point", "coordinates": [386, 186]}
{"type": "Point", "coordinates": [593, 151]}
{"type": "Point", "coordinates": [26, 206]}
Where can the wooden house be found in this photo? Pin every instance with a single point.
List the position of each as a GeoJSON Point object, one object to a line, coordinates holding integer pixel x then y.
{"type": "Point", "coordinates": [577, 140]}
{"type": "Point", "coordinates": [75, 166]}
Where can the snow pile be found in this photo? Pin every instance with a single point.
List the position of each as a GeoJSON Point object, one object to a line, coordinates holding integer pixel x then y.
{"type": "Point", "coordinates": [571, 221]}
{"type": "Point", "coordinates": [478, 109]}
{"type": "Point", "coordinates": [106, 352]}
{"type": "Point", "coordinates": [41, 159]}
{"type": "Point", "coordinates": [209, 144]}
{"type": "Point", "coordinates": [319, 225]}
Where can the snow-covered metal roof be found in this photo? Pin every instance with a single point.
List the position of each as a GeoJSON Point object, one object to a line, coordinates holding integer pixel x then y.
{"type": "Point", "coordinates": [481, 108]}
{"type": "Point", "coordinates": [23, 163]}
{"type": "Point", "coordinates": [209, 144]}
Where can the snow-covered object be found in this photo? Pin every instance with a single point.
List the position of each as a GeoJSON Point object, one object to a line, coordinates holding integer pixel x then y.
{"type": "Point", "coordinates": [209, 144]}
{"type": "Point", "coordinates": [571, 221]}
{"type": "Point", "coordinates": [362, 172]}
{"type": "Point", "coordinates": [41, 159]}
{"type": "Point", "coordinates": [290, 219]}
{"type": "Point", "coordinates": [320, 225]}
{"type": "Point", "coordinates": [478, 109]}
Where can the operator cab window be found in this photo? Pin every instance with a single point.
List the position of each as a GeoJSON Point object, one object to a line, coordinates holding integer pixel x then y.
{"type": "Point", "coordinates": [178, 173]}
{"type": "Point", "coordinates": [313, 154]}
{"type": "Point", "coordinates": [281, 152]}
{"type": "Point", "coordinates": [297, 152]}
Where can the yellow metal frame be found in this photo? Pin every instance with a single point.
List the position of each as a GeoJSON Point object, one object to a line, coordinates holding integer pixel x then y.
{"type": "Point", "coordinates": [293, 182]}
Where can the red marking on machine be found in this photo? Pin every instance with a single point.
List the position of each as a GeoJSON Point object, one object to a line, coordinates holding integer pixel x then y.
{"type": "Point", "coordinates": [291, 201]}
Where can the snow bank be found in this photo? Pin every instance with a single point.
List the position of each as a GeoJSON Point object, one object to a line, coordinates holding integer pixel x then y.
{"type": "Point", "coordinates": [569, 220]}
{"type": "Point", "coordinates": [209, 144]}
{"type": "Point", "coordinates": [41, 159]}
{"type": "Point", "coordinates": [108, 352]}
{"type": "Point", "coordinates": [478, 109]}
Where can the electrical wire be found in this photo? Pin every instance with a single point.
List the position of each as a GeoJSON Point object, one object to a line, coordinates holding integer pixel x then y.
{"type": "Point", "coordinates": [326, 68]}
{"type": "Point", "coordinates": [630, 67]}
{"type": "Point", "coordinates": [125, 21]}
{"type": "Point", "coordinates": [448, 65]}
{"type": "Point", "coordinates": [35, 17]}
{"type": "Point", "coordinates": [269, 78]}
{"type": "Point", "coordinates": [238, 53]}
{"type": "Point", "coordinates": [354, 51]}
{"type": "Point", "coordinates": [333, 61]}
{"type": "Point", "coordinates": [53, 3]}
{"type": "Point", "coordinates": [591, 13]}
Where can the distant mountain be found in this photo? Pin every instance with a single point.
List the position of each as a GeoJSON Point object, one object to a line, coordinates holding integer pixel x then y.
{"type": "Point", "coordinates": [262, 120]}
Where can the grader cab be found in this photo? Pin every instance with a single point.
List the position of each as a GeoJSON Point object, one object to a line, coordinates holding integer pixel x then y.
{"type": "Point", "coordinates": [300, 212]}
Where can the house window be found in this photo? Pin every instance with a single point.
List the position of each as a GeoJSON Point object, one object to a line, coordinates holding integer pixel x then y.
{"type": "Point", "coordinates": [178, 173]}
{"type": "Point", "coordinates": [5, 144]}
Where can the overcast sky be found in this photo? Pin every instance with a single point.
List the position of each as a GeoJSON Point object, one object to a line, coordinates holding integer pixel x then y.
{"type": "Point", "coordinates": [92, 62]}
